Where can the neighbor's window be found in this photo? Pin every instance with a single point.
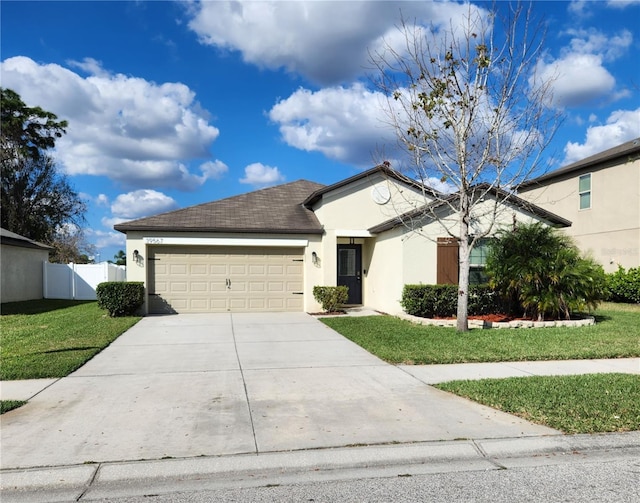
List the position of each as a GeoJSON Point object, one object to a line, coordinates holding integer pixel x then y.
{"type": "Point", "coordinates": [478, 261]}
{"type": "Point", "coordinates": [584, 191]}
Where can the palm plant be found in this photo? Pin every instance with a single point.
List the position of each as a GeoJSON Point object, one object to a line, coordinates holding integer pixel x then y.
{"type": "Point", "coordinates": [541, 272]}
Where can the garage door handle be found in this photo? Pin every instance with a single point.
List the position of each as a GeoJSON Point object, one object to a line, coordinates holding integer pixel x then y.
{"type": "Point", "coordinates": [228, 283]}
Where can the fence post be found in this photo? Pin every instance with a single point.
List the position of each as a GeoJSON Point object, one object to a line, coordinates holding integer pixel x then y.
{"type": "Point", "coordinates": [44, 279]}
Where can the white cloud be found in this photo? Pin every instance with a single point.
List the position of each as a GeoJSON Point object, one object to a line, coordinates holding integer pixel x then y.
{"type": "Point", "coordinates": [621, 4]}
{"type": "Point", "coordinates": [133, 131]}
{"type": "Point", "coordinates": [214, 170]}
{"type": "Point", "coordinates": [593, 41]}
{"type": "Point", "coordinates": [343, 123]}
{"type": "Point", "coordinates": [327, 42]}
{"type": "Point", "coordinates": [579, 74]}
{"type": "Point", "coordinates": [578, 79]}
{"type": "Point", "coordinates": [261, 175]}
{"type": "Point", "coordinates": [620, 127]}
{"type": "Point", "coordinates": [90, 66]}
{"type": "Point", "coordinates": [102, 239]}
{"type": "Point", "coordinates": [141, 203]}
{"type": "Point", "coordinates": [110, 222]}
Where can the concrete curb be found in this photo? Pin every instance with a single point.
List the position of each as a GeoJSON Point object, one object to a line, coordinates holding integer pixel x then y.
{"type": "Point", "coordinates": [120, 479]}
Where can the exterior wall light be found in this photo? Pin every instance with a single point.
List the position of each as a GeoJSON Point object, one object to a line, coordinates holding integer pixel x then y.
{"type": "Point", "coordinates": [314, 258]}
{"type": "Point", "coordinates": [135, 255]}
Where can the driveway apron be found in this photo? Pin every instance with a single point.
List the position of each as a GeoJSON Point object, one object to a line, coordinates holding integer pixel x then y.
{"type": "Point", "coordinates": [207, 385]}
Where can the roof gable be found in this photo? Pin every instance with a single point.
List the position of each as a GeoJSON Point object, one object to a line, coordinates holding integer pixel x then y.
{"type": "Point", "coordinates": [276, 209]}
{"type": "Point", "coordinates": [383, 169]}
{"type": "Point", "coordinates": [482, 190]}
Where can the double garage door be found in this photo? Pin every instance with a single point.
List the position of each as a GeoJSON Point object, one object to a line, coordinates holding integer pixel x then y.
{"type": "Point", "coordinates": [205, 279]}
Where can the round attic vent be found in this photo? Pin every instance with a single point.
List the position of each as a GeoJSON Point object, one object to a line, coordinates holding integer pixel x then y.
{"type": "Point", "coordinates": [380, 194]}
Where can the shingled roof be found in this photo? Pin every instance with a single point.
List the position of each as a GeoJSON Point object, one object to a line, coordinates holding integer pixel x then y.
{"type": "Point", "coordinates": [483, 188]}
{"type": "Point", "coordinates": [382, 169]}
{"type": "Point", "coordinates": [627, 151]}
{"type": "Point", "coordinates": [276, 209]}
{"type": "Point", "coordinates": [11, 238]}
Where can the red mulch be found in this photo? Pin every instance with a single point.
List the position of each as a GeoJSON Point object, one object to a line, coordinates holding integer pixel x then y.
{"type": "Point", "coordinates": [488, 317]}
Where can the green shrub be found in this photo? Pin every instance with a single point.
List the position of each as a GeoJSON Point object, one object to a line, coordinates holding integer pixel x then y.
{"type": "Point", "coordinates": [120, 298]}
{"type": "Point", "coordinates": [332, 298]}
{"type": "Point", "coordinates": [430, 301]}
{"type": "Point", "coordinates": [624, 286]}
{"type": "Point", "coordinates": [541, 269]}
{"type": "Point", "coordinates": [485, 300]}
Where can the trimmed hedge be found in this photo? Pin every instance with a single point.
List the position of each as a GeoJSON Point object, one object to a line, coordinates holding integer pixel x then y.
{"type": "Point", "coordinates": [120, 298]}
{"type": "Point", "coordinates": [439, 301]}
{"type": "Point", "coordinates": [332, 298]}
{"type": "Point", "coordinates": [624, 286]}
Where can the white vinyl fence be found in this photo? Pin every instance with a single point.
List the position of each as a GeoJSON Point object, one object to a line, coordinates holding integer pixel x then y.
{"type": "Point", "coordinates": [78, 281]}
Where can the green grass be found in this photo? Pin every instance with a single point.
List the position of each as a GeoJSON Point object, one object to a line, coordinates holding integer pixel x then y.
{"type": "Point", "coordinates": [7, 405]}
{"type": "Point", "coordinates": [52, 338]}
{"type": "Point", "coordinates": [573, 404]}
{"type": "Point", "coordinates": [615, 335]}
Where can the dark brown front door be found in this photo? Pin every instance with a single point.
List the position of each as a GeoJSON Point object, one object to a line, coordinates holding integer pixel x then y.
{"type": "Point", "coordinates": [350, 271]}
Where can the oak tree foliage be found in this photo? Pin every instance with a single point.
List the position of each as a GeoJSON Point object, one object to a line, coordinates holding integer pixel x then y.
{"type": "Point", "coordinates": [37, 199]}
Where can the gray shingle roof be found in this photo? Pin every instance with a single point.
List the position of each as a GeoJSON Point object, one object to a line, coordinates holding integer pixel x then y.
{"type": "Point", "coordinates": [383, 169]}
{"type": "Point", "coordinates": [276, 209]}
{"type": "Point", "coordinates": [625, 150]}
{"type": "Point", "coordinates": [11, 238]}
{"type": "Point", "coordinates": [481, 189]}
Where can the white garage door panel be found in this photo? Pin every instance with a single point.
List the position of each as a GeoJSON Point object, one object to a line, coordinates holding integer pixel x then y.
{"type": "Point", "coordinates": [220, 279]}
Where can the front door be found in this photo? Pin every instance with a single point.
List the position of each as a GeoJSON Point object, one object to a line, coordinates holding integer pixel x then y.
{"type": "Point", "coordinates": [350, 271]}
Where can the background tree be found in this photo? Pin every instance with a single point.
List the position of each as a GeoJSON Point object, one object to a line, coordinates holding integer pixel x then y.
{"type": "Point", "coordinates": [468, 109]}
{"type": "Point", "coordinates": [549, 279]}
{"type": "Point", "coordinates": [37, 200]}
{"type": "Point", "coordinates": [70, 245]}
{"type": "Point", "coordinates": [120, 258]}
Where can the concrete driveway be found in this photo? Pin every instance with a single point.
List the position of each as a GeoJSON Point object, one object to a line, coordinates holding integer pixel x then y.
{"type": "Point", "coordinates": [207, 385]}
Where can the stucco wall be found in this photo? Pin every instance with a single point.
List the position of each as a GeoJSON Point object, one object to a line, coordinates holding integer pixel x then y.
{"type": "Point", "coordinates": [353, 207]}
{"type": "Point", "coordinates": [610, 230]}
{"type": "Point", "coordinates": [21, 273]}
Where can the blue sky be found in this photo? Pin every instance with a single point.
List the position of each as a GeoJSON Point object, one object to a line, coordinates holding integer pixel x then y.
{"type": "Point", "coordinates": [172, 104]}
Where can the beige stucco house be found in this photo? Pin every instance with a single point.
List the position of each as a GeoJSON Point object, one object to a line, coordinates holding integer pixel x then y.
{"type": "Point", "coordinates": [21, 262]}
{"type": "Point", "coordinates": [601, 197]}
{"type": "Point", "coordinates": [266, 250]}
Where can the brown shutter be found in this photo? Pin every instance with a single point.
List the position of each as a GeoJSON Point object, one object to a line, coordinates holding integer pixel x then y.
{"type": "Point", "coordinates": [447, 261]}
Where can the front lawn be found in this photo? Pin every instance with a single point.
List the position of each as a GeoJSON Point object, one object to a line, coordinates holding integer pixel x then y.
{"type": "Point", "coordinates": [573, 404]}
{"type": "Point", "coordinates": [52, 338]}
{"type": "Point", "coordinates": [615, 335]}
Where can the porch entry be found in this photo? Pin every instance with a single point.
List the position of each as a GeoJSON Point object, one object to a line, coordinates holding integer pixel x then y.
{"type": "Point", "coordinates": [350, 271]}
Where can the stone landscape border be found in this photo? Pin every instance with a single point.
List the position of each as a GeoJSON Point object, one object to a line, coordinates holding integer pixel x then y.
{"type": "Point", "coordinates": [587, 321]}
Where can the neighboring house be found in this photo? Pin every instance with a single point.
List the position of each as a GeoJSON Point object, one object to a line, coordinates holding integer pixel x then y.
{"type": "Point", "coordinates": [601, 197]}
{"type": "Point", "coordinates": [21, 267]}
{"type": "Point", "coordinates": [266, 250]}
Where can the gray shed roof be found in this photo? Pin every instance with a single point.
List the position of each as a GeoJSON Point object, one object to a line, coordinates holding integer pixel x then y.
{"type": "Point", "coordinates": [11, 238]}
{"type": "Point", "coordinates": [276, 209]}
{"type": "Point", "coordinates": [625, 150]}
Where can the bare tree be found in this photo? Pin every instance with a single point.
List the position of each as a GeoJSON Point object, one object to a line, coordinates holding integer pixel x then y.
{"type": "Point", "coordinates": [70, 245]}
{"type": "Point", "coordinates": [470, 110]}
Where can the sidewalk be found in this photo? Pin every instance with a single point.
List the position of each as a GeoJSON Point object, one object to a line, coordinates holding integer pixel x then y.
{"type": "Point", "coordinates": [428, 374]}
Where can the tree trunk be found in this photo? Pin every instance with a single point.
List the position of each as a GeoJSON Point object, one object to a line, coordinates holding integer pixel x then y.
{"type": "Point", "coordinates": [462, 323]}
